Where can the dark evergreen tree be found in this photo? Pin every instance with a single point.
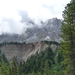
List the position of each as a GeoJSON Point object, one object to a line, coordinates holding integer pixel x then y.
{"type": "Point", "coordinates": [68, 38]}
{"type": "Point", "coordinates": [14, 67]}
{"type": "Point", "coordinates": [4, 69]}
{"type": "Point", "coordinates": [46, 68]}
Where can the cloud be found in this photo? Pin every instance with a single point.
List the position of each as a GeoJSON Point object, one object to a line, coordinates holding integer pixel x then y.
{"type": "Point", "coordinates": [15, 13]}
{"type": "Point", "coordinates": [24, 16]}
{"type": "Point", "coordinates": [11, 26]}
{"type": "Point", "coordinates": [34, 8]}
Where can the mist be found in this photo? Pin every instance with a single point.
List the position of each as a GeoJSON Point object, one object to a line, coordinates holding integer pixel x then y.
{"type": "Point", "coordinates": [18, 15]}
{"type": "Point", "coordinates": [12, 26]}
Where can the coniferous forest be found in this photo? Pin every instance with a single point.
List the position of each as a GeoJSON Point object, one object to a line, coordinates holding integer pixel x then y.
{"type": "Point", "coordinates": [49, 62]}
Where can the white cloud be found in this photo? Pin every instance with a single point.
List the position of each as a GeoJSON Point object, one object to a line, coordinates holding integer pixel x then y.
{"type": "Point", "coordinates": [35, 9]}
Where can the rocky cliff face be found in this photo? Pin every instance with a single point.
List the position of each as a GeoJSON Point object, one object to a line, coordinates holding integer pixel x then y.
{"type": "Point", "coordinates": [22, 51]}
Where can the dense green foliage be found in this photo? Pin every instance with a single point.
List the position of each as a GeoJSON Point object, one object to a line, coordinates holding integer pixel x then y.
{"type": "Point", "coordinates": [68, 35]}
{"type": "Point", "coordinates": [14, 43]}
{"type": "Point", "coordinates": [4, 65]}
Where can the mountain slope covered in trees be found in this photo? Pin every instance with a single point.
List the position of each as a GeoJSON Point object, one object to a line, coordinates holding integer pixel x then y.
{"type": "Point", "coordinates": [48, 62]}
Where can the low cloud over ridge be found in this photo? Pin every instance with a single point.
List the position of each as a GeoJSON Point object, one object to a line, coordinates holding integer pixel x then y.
{"type": "Point", "coordinates": [14, 14]}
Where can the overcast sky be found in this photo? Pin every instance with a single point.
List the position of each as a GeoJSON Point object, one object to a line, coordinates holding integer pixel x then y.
{"type": "Point", "coordinates": [13, 13]}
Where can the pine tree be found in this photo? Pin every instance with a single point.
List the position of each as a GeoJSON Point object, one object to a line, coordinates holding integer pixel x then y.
{"type": "Point", "coordinates": [14, 67]}
{"type": "Point", "coordinates": [46, 68]}
{"type": "Point", "coordinates": [4, 69]}
{"type": "Point", "coordinates": [68, 38]}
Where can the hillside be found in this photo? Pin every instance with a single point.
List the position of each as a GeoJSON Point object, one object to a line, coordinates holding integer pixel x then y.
{"type": "Point", "coordinates": [46, 62]}
{"type": "Point", "coordinates": [23, 50]}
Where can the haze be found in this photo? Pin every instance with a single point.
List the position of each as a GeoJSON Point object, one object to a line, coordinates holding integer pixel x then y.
{"type": "Point", "coordinates": [15, 13]}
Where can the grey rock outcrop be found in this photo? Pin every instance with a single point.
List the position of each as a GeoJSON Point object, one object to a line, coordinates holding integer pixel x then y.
{"type": "Point", "coordinates": [48, 30]}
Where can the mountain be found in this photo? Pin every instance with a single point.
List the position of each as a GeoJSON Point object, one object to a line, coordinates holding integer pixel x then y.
{"type": "Point", "coordinates": [47, 59]}
{"type": "Point", "coordinates": [29, 42]}
{"type": "Point", "coordinates": [48, 30]}
{"type": "Point", "coordinates": [23, 50]}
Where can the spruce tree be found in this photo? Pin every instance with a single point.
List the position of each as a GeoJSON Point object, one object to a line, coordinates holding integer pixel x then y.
{"type": "Point", "coordinates": [46, 68]}
{"type": "Point", "coordinates": [14, 67]}
{"type": "Point", "coordinates": [4, 69]}
{"type": "Point", "coordinates": [68, 38]}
